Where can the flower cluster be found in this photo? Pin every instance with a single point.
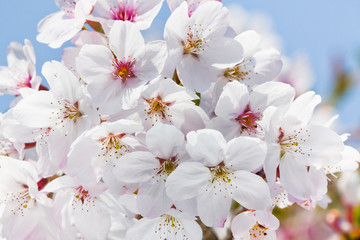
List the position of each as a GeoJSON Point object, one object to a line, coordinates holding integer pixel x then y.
{"type": "Point", "coordinates": [147, 140]}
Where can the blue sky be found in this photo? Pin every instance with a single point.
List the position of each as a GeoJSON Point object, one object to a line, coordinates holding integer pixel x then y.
{"type": "Point", "coordinates": [323, 29]}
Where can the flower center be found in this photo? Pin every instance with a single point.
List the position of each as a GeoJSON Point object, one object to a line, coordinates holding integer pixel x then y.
{"type": "Point", "coordinates": [157, 108]}
{"type": "Point", "coordinates": [195, 43]}
{"type": "Point", "coordinates": [248, 121]}
{"type": "Point", "coordinates": [19, 201]}
{"type": "Point", "coordinates": [66, 113]}
{"type": "Point", "coordinates": [6, 147]}
{"type": "Point", "coordinates": [83, 199]}
{"type": "Point", "coordinates": [167, 166]}
{"type": "Point", "coordinates": [123, 69]}
{"type": "Point", "coordinates": [72, 111]}
{"type": "Point", "coordinates": [220, 174]}
{"type": "Point", "coordinates": [235, 73]}
{"type": "Point", "coordinates": [112, 145]}
{"type": "Point", "coordinates": [258, 231]}
{"type": "Point", "coordinates": [293, 143]}
{"type": "Point", "coordinates": [240, 71]}
{"type": "Point", "coordinates": [170, 227]}
{"type": "Point", "coordinates": [24, 83]}
{"type": "Point", "coordinates": [82, 194]}
{"type": "Point", "coordinates": [124, 11]}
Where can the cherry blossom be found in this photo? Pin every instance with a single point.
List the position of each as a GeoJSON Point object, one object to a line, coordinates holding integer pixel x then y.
{"type": "Point", "coordinates": [25, 206]}
{"type": "Point", "coordinates": [21, 70]}
{"type": "Point", "coordinates": [258, 65]}
{"type": "Point", "coordinates": [173, 225]}
{"type": "Point", "coordinates": [140, 12]}
{"type": "Point", "coordinates": [151, 169]}
{"type": "Point", "coordinates": [240, 112]}
{"type": "Point", "coordinates": [221, 171]}
{"type": "Point", "coordinates": [198, 41]}
{"type": "Point", "coordinates": [166, 102]}
{"type": "Point", "coordinates": [93, 155]}
{"type": "Point", "coordinates": [59, 115]}
{"type": "Point", "coordinates": [61, 26]}
{"type": "Point", "coordinates": [83, 204]}
{"type": "Point", "coordinates": [255, 225]}
{"type": "Point", "coordinates": [122, 70]}
{"type": "Point", "coordinates": [294, 145]}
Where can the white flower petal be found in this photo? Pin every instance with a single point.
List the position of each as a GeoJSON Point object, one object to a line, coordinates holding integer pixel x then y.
{"type": "Point", "coordinates": [233, 100]}
{"type": "Point", "coordinates": [250, 190]}
{"type": "Point", "coordinates": [303, 107]}
{"type": "Point", "coordinates": [250, 41]}
{"type": "Point", "coordinates": [194, 75]}
{"type": "Point", "coordinates": [268, 65]}
{"type": "Point", "coordinates": [271, 94]}
{"type": "Point", "coordinates": [126, 40]}
{"type": "Point", "coordinates": [136, 167]}
{"type": "Point", "coordinates": [152, 200]}
{"type": "Point", "coordinates": [214, 207]}
{"type": "Point", "coordinates": [187, 181]}
{"type": "Point", "coordinates": [165, 141]}
{"type": "Point", "coordinates": [245, 153]}
{"type": "Point", "coordinates": [241, 225]}
{"type": "Point", "coordinates": [206, 146]}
